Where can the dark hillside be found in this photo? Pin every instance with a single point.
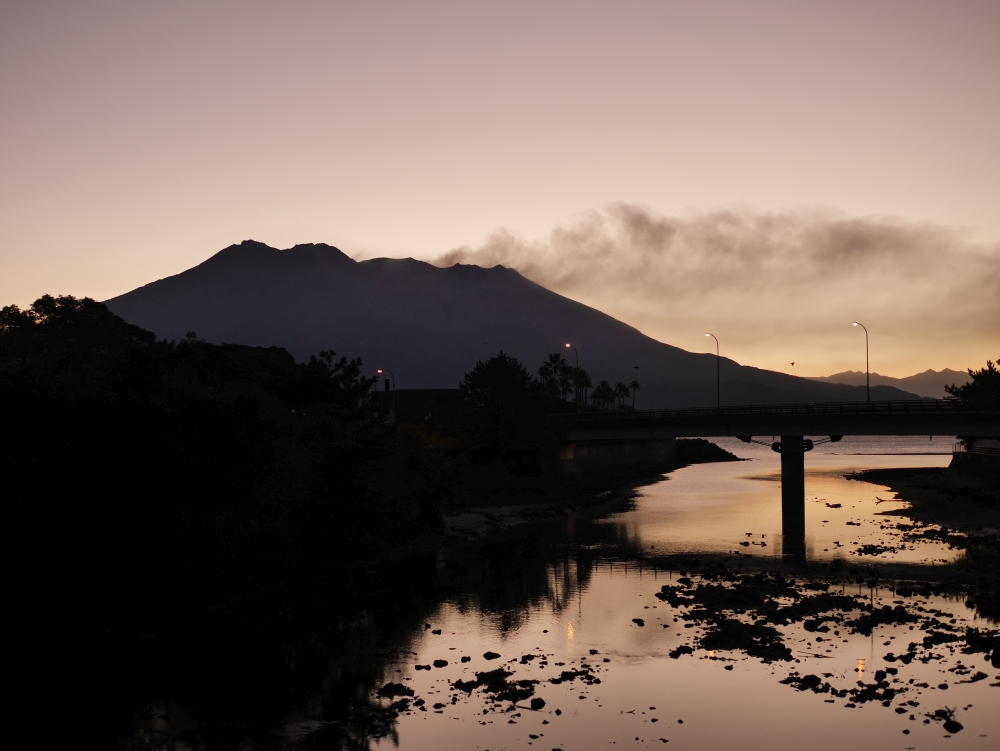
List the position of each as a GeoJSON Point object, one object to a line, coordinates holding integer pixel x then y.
{"type": "Point", "coordinates": [428, 325]}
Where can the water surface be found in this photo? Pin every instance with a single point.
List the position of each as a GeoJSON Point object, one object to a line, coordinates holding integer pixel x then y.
{"type": "Point", "coordinates": [571, 609]}
{"type": "Point", "coordinates": [582, 620]}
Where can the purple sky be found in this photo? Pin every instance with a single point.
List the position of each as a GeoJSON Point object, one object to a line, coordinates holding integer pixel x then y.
{"type": "Point", "coordinates": [141, 137]}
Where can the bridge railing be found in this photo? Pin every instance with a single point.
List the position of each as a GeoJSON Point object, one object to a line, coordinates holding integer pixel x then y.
{"type": "Point", "coordinates": [899, 407]}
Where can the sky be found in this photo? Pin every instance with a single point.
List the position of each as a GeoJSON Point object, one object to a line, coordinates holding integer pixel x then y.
{"type": "Point", "coordinates": [768, 171]}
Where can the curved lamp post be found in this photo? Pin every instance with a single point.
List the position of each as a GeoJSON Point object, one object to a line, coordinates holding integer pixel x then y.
{"type": "Point", "coordinates": [868, 385]}
{"type": "Point", "coordinates": [718, 380]}
{"type": "Point", "coordinates": [577, 379]}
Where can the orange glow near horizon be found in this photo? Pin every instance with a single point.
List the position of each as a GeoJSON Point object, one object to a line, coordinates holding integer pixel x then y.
{"type": "Point", "coordinates": [859, 185]}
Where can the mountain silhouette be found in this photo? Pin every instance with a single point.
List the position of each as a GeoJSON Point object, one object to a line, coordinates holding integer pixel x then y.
{"type": "Point", "coordinates": [429, 325]}
{"type": "Point", "coordinates": [930, 383]}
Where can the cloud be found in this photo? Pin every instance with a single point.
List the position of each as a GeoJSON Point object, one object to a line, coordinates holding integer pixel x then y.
{"type": "Point", "coordinates": [765, 276]}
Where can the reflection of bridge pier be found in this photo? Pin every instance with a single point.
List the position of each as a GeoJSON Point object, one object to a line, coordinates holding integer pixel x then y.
{"type": "Point", "coordinates": [792, 422]}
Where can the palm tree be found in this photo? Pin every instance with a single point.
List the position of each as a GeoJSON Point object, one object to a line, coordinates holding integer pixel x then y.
{"type": "Point", "coordinates": [604, 394]}
{"type": "Point", "coordinates": [564, 379]}
{"type": "Point", "coordinates": [621, 393]}
{"type": "Point", "coordinates": [583, 383]}
{"type": "Point", "coordinates": [635, 387]}
{"type": "Point", "coordinates": [554, 375]}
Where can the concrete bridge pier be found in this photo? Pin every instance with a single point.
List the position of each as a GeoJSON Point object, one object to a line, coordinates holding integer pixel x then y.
{"type": "Point", "coordinates": [793, 494]}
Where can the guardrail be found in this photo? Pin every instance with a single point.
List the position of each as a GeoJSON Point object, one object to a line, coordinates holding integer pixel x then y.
{"type": "Point", "coordinates": [951, 407]}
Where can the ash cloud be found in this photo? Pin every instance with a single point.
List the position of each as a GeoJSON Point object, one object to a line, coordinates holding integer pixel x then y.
{"type": "Point", "coordinates": [771, 280]}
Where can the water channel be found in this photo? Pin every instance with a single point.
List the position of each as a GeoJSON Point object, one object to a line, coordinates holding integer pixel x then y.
{"type": "Point", "coordinates": [589, 634]}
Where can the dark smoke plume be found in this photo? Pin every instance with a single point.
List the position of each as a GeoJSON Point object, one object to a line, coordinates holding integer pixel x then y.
{"type": "Point", "coordinates": [764, 276]}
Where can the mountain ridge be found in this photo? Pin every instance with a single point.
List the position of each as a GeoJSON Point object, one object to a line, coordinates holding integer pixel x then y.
{"type": "Point", "coordinates": [930, 383]}
{"type": "Point", "coordinates": [429, 325]}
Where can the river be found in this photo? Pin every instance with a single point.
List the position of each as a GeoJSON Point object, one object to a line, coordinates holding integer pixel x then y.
{"type": "Point", "coordinates": [674, 623]}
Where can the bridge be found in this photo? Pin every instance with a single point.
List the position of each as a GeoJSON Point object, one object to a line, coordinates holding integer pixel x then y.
{"type": "Point", "coordinates": [788, 426]}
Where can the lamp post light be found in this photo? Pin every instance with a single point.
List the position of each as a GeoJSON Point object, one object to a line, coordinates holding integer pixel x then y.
{"type": "Point", "coordinates": [718, 378]}
{"type": "Point", "coordinates": [576, 380]}
{"type": "Point", "coordinates": [868, 385]}
{"type": "Point", "coordinates": [380, 371]}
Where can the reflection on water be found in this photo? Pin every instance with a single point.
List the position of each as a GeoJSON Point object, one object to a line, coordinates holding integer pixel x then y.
{"type": "Point", "coordinates": [645, 685]}
{"type": "Point", "coordinates": [735, 508]}
{"type": "Point", "coordinates": [596, 634]}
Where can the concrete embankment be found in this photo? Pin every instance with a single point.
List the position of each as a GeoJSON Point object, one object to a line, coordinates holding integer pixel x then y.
{"type": "Point", "coordinates": [984, 466]}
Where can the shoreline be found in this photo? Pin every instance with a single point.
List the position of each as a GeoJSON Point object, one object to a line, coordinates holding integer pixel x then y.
{"type": "Point", "coordinates": [960, 510]}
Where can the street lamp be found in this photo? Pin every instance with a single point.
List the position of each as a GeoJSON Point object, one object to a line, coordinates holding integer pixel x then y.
{"type": "Point", "coordinates": [576, 380]}
{"type": "Point", "coordinates": [868, 385]}
{"type": "Point", "coordinates": [380, 371]}
{"type": "Point", "coordinates": [718, 381]}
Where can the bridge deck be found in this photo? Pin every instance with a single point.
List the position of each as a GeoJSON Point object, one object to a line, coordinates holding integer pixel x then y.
{"type": "Point", "coordinates": [904, 417]}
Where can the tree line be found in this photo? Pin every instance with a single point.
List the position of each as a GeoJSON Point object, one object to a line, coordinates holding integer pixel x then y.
{"type": "Point", "coordinates": [559, 380]}
{"type": "Point", "coordinates": [140, 472]}
{"type": "Point", "coordinates": [216, 469]}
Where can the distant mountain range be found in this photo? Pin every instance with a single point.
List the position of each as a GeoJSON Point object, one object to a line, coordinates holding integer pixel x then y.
{"type": "Point", "coordinates": [429, 325]}
{"type": "Point", "coordinates": [930, 383]}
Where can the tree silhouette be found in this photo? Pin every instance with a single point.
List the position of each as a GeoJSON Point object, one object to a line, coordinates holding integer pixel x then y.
{"type": "Point", "coordinates": [604, 395]}
{"type": "Point", "coordinates": [221, 468]}
{"type": "Point", "coordinates": [556, 376]}
{"type": "Point", "coordinates": [634, 385]}
{"type": "Point", "coordinates": [984, 386]}
{"type": "Point", "coordinates": [584, 383]}
{"type": "Point", "coordinates": [500, 404]}
{"type": "Point", "coordinates": [621, 394]}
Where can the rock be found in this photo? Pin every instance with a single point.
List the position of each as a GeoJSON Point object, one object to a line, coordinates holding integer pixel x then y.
{"type": "Point", "coordinates": [440, 663]}
{"type": "Point", "coordinates": [422, 667]}
{"type": "Point", "coordinates": [638, 622]}
{"type": "Point", "coordinates": [466, 658]}
{"type": "Point", "coordinates": [392, 690]}
{"type": "Point", "coordinates": [537, 703]}
{"type": "Point", "coordinates": [952, 726]}
{"type": "Point", "coordinates": [729, 667]}
{"type": "Point", "coordinates": [436, 631]}
{"type": "Point", "coordinates": [558, 711]}
{"type": "Point", "coordinates": [491, 656]}
{"type": "Point", "coordinates": [683, 649]}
